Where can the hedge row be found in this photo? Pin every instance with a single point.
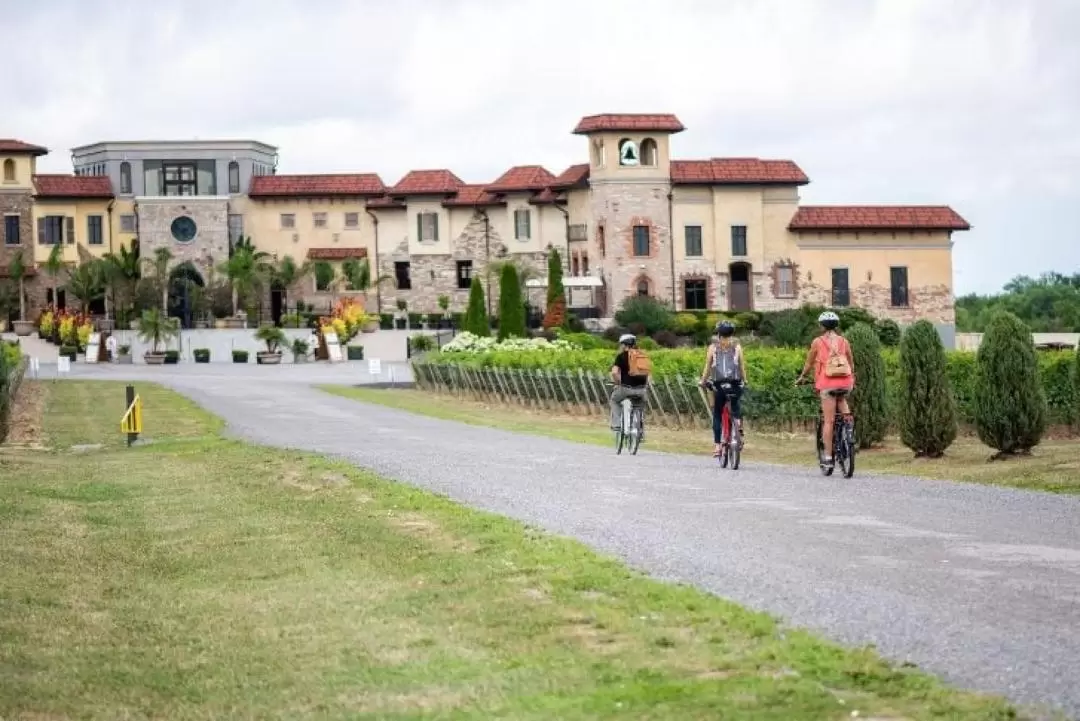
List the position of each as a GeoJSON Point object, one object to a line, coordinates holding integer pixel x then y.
{"type": "Point", "coordinates": [772, 371]}
{"type": "Point", "coordinates": [12, 368]}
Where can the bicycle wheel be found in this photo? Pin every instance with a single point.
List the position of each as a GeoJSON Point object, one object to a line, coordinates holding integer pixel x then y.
{"type": "Point", "coordinates": [846, 451]}
{"type": "Point", "coordinates": [637, 425]}
{"type": "Point", "coordinates": [620, 438]}
{"type": "Point", "coordinates": [733, 450]}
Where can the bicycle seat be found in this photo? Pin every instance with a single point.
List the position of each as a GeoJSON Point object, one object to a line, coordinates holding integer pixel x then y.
{"type": "Point", "coordinates": [838, 392]}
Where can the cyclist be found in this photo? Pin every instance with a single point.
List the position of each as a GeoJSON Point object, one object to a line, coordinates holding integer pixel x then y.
{"type": "Point", "coordinates": [834, 376]}
{"type": "Point", "coordinates": [725, 364]}
{"type": "Point", "coordinates": [630, 377]}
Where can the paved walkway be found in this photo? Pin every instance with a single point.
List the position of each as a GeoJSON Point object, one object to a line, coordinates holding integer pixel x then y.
{"type": "Point", "coordinates": [978, 584]}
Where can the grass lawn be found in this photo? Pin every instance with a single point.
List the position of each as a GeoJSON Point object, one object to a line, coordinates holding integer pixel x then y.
{"type": "Point", "coordinates": [1055, 465]}
{"type": "Point", "coordinates": [203, 578]}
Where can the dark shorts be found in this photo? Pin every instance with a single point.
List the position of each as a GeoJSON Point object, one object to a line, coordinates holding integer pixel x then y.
{"type": "Point", "coordinates": [732, 395]}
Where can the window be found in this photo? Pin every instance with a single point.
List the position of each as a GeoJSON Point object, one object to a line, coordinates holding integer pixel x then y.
{"type": "Point", "coordinates": [236, 227]}
{"type": "Point", "coordinates": [578, 231]}
{"type": "Point", "coordinates": [598, 153]}
{"type": "Point", "coordinates": [574, 264]}
{"type": "Point", "coordinates": [94, 234]}
{"type": "Point", "coordinates": [127, 223]}
{"type": "Point", "coordinates": [178, 179]}
{"type": "Point", "coordinates": [125, 177]}
{"type": "Point", "coordinates": [401, 275]}
{"type": "Point", "coordinates": [650, 155]}
{"type": "Point", "coordinates": [12, 236]}
{"type": "Point", "coordinates": [785, 281]}
{"type": "Point", "coordinates": [464, 274]}
{"type": "Point", "coordinates": [522, 224]}
{"type": "Point", "coordinates": [584, 264]}
{"type": "Point", "coordinates": [898, 287]}
{"type": "Point", "coordinates": [738, 240]}
{"type": "Point", "coordinates": [693, 240]}
{"type": "Point", "coordinates": [9, 171]}
{"type": "Point", "coordinates": [696, 294]}
{"type": "Point", "coordinates": [641, 240]}
{"type": "Point", "coordinates": [841, 293]}
{"type": "Point", "coordinates": [643, 287]}
{"type": "Point", "coordinates": [323, 281]}
{"type": "Point", "coordinates": [51, 230]}
{"type": "Point", "coordinates": [601, 241]}
{"type": "Point", "coordinates": [352, 220]}
{"type": "Point", "coordinates": [234, 176]}
{"type": "Point", "coordinates": [427, 227]}
{"type": "Point", "coordinates": [319, 219]}
{"type": "Point", "coordinates": [288, 221]}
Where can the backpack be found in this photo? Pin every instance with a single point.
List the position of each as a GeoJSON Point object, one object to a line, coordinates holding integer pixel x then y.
{"type": "Point", "coordinates": [836, 365]}
{"type": "Point", "coordinates": [638, 363]}
{"type": "Point", "coordinates": [726, 366]}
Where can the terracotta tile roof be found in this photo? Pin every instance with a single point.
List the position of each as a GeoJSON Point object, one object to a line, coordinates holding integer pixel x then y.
{"type": "Point", "coordinates": [336, 253]}
{"type": "Point", "coordinates": [472, 196]}
{"type": "Point", "coordinates": [72, 186]}
{"type": "Point", "coordinates": [723, 171]}
{"type": "Point", "coordinates": [307, 186]}
{"type": "Point", "coordinates": [547, 195]}
{"type": "Point", "coordinates": [877, 217]}
{"type": "Point", "coordinates": [629, 122]}
{"type": "Point", "coordinates": [10, 145]}
{"type": "Point", "coordinates": [427, 182]}
{"type": "Point", "coordinates": [575, 175]}
{"type": "Point", "coordinates": [385, 203]}
{"type": "Point", "coordinates": [522, 178]}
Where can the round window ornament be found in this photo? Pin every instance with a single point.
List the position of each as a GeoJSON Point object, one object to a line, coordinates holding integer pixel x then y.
{"type": "Point", "coordinates": [183, 229]}
{"type": "Point", "coordinates": [628, 153]}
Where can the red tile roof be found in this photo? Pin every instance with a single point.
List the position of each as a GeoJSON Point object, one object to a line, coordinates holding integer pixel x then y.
{"type": "Point", "coordinates": [522, 178]}
{"type": "Point", "coordinates": [72, 186]}
{"type": "Point", "coordinates": [336, 253]}
{"type": "Point", "coordinates": [308, 186]}
{"type": "Point", "coordinates": [385, 203]}
{"type": "Point", "coordinates": [427, 182]}
{"type": "Point", "coordinates": [10, 145]}
{"type": "Point", "coordinates": [472, 196]}
{"type": "Point", "coordinates": [730, 171]}
{"type": "Point", "coordinates": [546, 196]}
{"type": "Point", "coordinates": [630, 122]}
{"type": "Point", "coordinates": [877, 217]}
{"type": "Point", "coordinates": [575, 175]}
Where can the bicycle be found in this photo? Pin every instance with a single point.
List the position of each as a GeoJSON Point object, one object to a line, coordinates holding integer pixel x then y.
{"type": "Point", "coordinates": [729, 453]}
{"type": "Point", "coordinates": [632, 431]}
{"type": "Point", "coordinates": [843, 441]}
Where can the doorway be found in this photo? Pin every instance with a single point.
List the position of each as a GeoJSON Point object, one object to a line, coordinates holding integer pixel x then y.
{"type": "Point", "coordinates": [183, 296]}
{"type": "Point", "coordinates": [739, 296]}
{"type": "Point", "coordinates": [277, 302]}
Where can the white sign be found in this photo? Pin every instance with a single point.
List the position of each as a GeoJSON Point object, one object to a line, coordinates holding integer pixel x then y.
{"type": "Point", "coordinates": [63, 364]}
{"type": "Point", "coordinates": [35, 367]}
{"type": "Point", "coordinates": [628, 153]}
{"type": "Point", "coordinates": [333, 347]}
{"type": "Point", "coordinates": [93, 347]}
{"type": "Point", "coordinates": [374, 367]}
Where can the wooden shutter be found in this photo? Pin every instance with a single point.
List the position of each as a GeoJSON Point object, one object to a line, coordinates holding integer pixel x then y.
{"type": "Point", "coordinates": [528, 224]}
{"type": "Point", "coordinates": [419, 226]}
{"type": "Point", "coordinates": [435, 226]}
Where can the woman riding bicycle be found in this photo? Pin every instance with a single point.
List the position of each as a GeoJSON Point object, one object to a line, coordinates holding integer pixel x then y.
{"type": "Point", "coordinates": [834, 376]}
{"type": "Point", "coordinates": [725, 365]}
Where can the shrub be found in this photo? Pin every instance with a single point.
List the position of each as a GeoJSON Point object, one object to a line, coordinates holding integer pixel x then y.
{"type": "Point", "coordinates": [240, 356]}
{"type": "Point", "coordinates": [420, 343]}
{"type": "Point", "coordinates": [467, 343]}
{"type": "Point", "coordinates": [650, 314]}
{"type": "Point", "coordinates": [666, 339]}
{"type": "Point", "coordinates": [201, 355]}
{"type": "Point", "coordinates": [614, 332]}
{"type": "Point", "coordinates": [574, 324]}
{"type": "Point", "coordinates": [1010, 404]}
{"type": "Point", "coordinates": [686, 323]}
{"type": "Point", "coordinates": [869, 400]}
{"type": "Point", "coordinates": [850, 316]}
{"type": "Point", "coordinates": [926, 411]}
{"type": "Point", "coordinates": [172, 357]}
{"type": "Point", "coordinates": [888, 332]}
{"type": "Point", "coordinates": [511, 305]}
{"type": "Point", "coordinates": [555, 290]}
{"type": "Point", "coordinates": [748, 320]}
{"type": "Point", "coordinates": [588, 341]}
{"type": "Point", "coordinates": [647, 343]}
{"type": "Point", "coordinates": [1074, 410]}
{"type": "Point", "coordinates": [476, 320]}
{"type": "Point", "coordinates": [790, 328]}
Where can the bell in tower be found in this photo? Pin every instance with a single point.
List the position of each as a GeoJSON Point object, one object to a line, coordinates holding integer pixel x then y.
{"type": "Point", "coordinates": [628, 153]}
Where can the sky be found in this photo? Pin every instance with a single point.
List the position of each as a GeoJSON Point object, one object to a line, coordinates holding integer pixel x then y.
{"type": "Point", "coordinates": [969, 103]}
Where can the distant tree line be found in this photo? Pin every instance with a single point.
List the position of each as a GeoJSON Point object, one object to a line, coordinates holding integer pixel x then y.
{"type": "Point", "coordinates": [1047, 304]}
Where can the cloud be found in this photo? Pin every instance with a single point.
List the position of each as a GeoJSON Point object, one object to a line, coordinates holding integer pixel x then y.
{"type": "Point", "coordinates": [972, 103]}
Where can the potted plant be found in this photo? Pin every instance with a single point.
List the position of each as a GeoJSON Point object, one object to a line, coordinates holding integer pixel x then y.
{"type": "Point", "coordinates": [300, 349]}
{"type": "Point", "coordinates": [69, 351]}
{"type": "Point", "coordinates": [402, 314]}
{"type": "Point", "coordinates": [200, 306]}
{"type": "Point", "coordinates": [202, 355]}
{"type": "Point", "coordinates": [239, 356]}
{"type": "Point", "coordinates": [354, 352]}
{"type": "Point", "coordinates": [172, 357]}
{"type": "Point", "coordinates": [156, 328]}
{"type": "Point", "coordinates": [123, 355]}
{"type": "Point", "coordinates": [18, 271]}
{"type": "Point", "coordinates": [274, 338]}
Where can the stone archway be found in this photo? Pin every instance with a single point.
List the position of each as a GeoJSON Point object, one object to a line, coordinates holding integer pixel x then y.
{"type": "Point", "coordinates": [182, 280]}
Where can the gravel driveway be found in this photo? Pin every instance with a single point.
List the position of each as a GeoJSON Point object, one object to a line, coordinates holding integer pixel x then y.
{"type": "Point", "coordinates": [980, 585]}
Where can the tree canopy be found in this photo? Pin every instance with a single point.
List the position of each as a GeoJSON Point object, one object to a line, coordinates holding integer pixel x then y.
{"type": "Point", "coordinates": [1047, 304]}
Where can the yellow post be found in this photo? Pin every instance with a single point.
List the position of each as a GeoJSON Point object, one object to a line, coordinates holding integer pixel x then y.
{"type": "Point", "coordinates": [131, 422]}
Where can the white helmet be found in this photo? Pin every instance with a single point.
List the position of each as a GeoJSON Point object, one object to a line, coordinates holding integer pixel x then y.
{"type": "Point", "coordinates": [829, 319]}
{"type": "Point", "coordinates": [627, 339]}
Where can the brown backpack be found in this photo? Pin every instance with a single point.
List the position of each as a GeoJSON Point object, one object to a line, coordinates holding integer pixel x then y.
{"type": "Point", "coordinates": [836, 365]}
{"type": "Point", "coordinates": [638, 362]}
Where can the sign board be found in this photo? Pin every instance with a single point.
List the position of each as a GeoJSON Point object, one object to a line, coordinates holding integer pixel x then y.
{"type": "Point", "coordinates": [374, 367]}
{"type": "Point", "coordinates": [63, 364]}
{"type": "Point", "coordinates": [132, 420]}
{"type": "Point", "coordinates": [93, 348]}
{"type": "Point", "coordinates": [333, 347]}
{"type": "Point", "coordinates": [35, 367]}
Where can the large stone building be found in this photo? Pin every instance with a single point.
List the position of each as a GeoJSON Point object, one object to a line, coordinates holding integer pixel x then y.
{"type": "Point", "coordinates": [718, 234]}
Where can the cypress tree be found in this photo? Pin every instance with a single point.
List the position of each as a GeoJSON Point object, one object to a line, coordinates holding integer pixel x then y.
{"type": "Point", "coordinates": [511, 305]}
{"type": "Point", "coordinates": [1009, 400]}
{"type": "Point", "coordinates": [869, 401]}
{"type": "Point", "coordinates": [476, 320]}
{"type": "Point", "coordinates": [1076, 388]}
{"type": "Point", "coordinates": [926, 410]}
{"type": "Point", "coordinates": [555, 288]}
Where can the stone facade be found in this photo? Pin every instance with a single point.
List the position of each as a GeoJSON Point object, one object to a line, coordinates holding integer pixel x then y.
{"type": "Point", "coordinates": [932, 303]}
{"type": "Point", "coordinates": [210, 245]}
{"type": "Point", "coordinates": [21, 203]}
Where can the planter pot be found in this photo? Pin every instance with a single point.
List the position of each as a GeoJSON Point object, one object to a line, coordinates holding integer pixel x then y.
{"type": "Point", "coordinates": [370, 326]}
{"type": "Point", "coordinates": [201, 357]}
{"type": "Point", "coordinates": [268, 359]}
{"type": "Point", "coordinates": [154, 359]}
{"type": "Point", "coordinates": [219, 323]}
{"type": "Point", "coordinates": [124, 360]}
{"type": "Point", "coordinates": [201, 325]}
{"type": "Point", "coordinates": [354, 352]}
{"type": "Point", "coordinates": [235, 323]}
{"type": "Point", "coordinates": [23, 327]}
{"type": "Point", "coordinates": [239, 358]}
{"type": "Point", "coordinates": [134, 325]}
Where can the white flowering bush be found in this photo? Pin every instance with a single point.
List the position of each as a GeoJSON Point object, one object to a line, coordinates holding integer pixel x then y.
{"type": "Point", "coordinates": [467, 342]}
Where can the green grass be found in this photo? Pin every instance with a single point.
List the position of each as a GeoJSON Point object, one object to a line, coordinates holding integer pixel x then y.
{"type": "Point", "coordinates": [202, 578]}
{"type": "Point", "coordinates": [1054, 465]}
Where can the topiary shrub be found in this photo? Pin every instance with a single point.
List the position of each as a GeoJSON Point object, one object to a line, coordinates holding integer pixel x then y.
{"type": "Point", "coordinates": [1075, 410]}
{"type": "Point", "coordinates": [850, 316]}
{"type": "Point", "coordinates": [648, 313]}
{"type": "Point", "coordinates": [1009, 400]}
{"type": "Point", "coordinates": [476, 320]}
{"type": "Point", "coordinates": [686, 323]}
{"type": "Point", "coordinates": [869, 400]}
{"type": "Point", "coordinates": [888, 332]}
{"type": "Point", "coordinates": [926, 409]}
{"type": "Point", "coordinates": [511, 305]}
{"type": "Point", "coordinates": [789, 328]}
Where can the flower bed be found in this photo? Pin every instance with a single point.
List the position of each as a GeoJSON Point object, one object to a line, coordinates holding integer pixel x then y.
{"type": "Point", "coordinates": [467, 343]}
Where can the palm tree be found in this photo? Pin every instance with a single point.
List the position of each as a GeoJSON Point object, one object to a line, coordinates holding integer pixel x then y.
{"type": "Point", "coordinates": [87, 282]}
{"type": "Point", "coordinates": [357, 276]}
{"type": "Point", "coordinates": [122, 273]}
{"type": "Point", "coordinates": [246, 269]}
{"type": "Point", "coordinates": [325, 276]}
{"type": "Point", "coordinates": [52, 266]}
{"type": "Point", "coordinates": [286, 274]}
{"type": "Point", "coordinates": [18, 270]}
{"type": "Point", "coordinates": [156, 327]}
{"type": "Point", "coordinates": [159, 266]}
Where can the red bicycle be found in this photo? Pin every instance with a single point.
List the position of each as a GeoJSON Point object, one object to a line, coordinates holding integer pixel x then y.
{"type": "Point", "coordinates": [730, 453]}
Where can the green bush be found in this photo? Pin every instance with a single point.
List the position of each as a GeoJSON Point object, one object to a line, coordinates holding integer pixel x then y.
{"type": "Point", "coordinates": [1074, 407]}
{"type": "Point", "coordinates": [849, 317]}
{"type": "Point", "coordinates": [790, 328]}
{"type": "Point", "coordinates": [652, 314]}
{"type": "Point", "coordinates": [686, 323]}
{"type": "Point", "coordinates": [869, 400]}
{"type": "Point", "coordinates": [511, 305]}
{"type": "Point", "coordinates": [476, 319]}
{"type": "Point", "coordinates": [1010, 404]}
{"type": "Point", "coordinates": [588, 341]}
{"type": "Point", "coordinates": [888, 332]}
{"type": "Point", "coordinates": [926, 412]}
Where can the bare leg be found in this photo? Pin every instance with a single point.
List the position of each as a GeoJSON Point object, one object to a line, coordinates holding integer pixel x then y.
{"type": "Point", "coordinates": [828, 412]}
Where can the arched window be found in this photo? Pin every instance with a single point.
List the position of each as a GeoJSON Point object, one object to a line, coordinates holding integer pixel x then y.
{"type": "Point", "coordinates": [643, 286]}
{"type": "Point", "coordinates": [125, 177]}
{"type": "Point", "coordinates": [9, 171]}
{"type": "Point", "coordinates": [650, 154]}
{"type": "Point", "coordinates": [234, 177]}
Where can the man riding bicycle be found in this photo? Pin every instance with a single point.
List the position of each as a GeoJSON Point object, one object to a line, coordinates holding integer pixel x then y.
{"type": "Point", "coordinates": [630, 374]}
{"type": "Point", "coordinates": [725, 366]}
{"type": "Point", "coordinates": [834, 376]}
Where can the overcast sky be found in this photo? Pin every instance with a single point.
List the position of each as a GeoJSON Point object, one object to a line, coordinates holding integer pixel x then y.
{"type": "Point", "coordinates": [970, 103]}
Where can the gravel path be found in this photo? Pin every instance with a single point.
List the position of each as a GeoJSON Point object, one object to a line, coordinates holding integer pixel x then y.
{"type": "Point", "coordinates": [978, 584]}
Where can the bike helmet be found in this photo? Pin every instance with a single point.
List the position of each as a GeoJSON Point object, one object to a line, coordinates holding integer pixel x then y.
{"type": "Point", "coordinates": [628, 339]}
{"type": "Point", "coordinates": [829, 320]}
{"type": "Point", "coordinates": [725, 328]}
